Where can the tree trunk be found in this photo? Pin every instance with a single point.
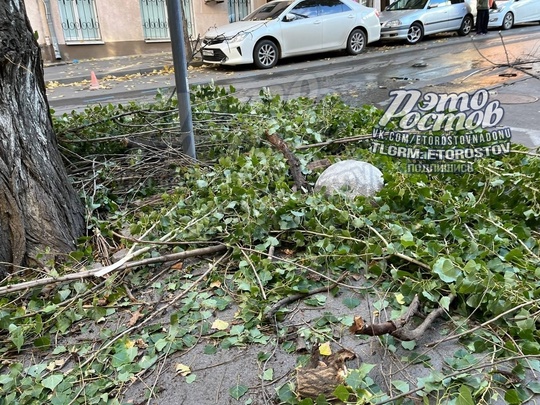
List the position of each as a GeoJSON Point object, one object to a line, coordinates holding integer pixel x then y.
{"type": "Point", "coordinates": [39, 209]}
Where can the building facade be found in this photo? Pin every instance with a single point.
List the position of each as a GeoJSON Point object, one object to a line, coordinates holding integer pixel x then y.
{"type": "Point", "coordinates": [88, 29]}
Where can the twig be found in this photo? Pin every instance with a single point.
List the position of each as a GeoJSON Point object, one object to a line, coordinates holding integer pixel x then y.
{"type": "Point", "coordinates": [397, 254]}
{"type": "Point", "coordinates": [125, 265]}
{"type": "Point", "coordinates": [270, 312]}
{"type": "Point", "coordinates": [335, 141]}
{"type": "Point", "coordinates": [483, 324]}
{"type": "Point", "coordinates": [255, 272]}
{"type": "Point", "coordinates": [317, 273]}
{"type": "Point", "coordinates": [502, 228]}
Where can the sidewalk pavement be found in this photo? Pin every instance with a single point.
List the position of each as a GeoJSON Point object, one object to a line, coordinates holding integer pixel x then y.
{"type": "Point", "coordinates": [79, 70]}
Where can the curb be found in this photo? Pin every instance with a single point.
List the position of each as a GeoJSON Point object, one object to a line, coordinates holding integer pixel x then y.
{"type": "Point", "coordinates": [141, 70]}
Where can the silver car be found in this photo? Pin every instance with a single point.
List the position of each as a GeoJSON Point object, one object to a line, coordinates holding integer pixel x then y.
{"type": "Point", "coordinates": [412, 19]}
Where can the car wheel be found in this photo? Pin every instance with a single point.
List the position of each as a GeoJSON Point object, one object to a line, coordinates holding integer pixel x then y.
{"type": "Point", "coordinates": [508, 21]}
{"type": "Point", "coordinates": [356, 43]}
{"type": "Point", "coordinates": [466, 26]}
{"type": "Point", "coordinates": [265, 54]}
{"type": "Point", "coordinates": [415, 33]}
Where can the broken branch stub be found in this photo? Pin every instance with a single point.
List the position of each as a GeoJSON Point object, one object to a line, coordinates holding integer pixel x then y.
{"type": "Point", "coordinates": [399, 328]}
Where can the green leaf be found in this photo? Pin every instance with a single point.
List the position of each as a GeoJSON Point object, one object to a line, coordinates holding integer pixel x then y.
{"type": "Point", "coordinates": [534, 386]}
{"type": "Point", "coordinates": [16, 336]}
{"type": "Point", "coordinates": [401, 386]}
{"type": "Point", "coordinates": [512, 397]}
{"type": "Point", "coordinates": [268, 374]}
{"type": "Point", "coordinates": [465, 396]}
{"type": "Point", "coordinates": [147, 361]}
{"type": "Point", "coordinates": [43, 342]}
{"type": "Point", "coordinates": [407, 239]}
{"type": "Point", "coordinates": [351, 302]}
{"type": "Point", "coordinates": [191, 378]}
{"type": "Point", "coordinates": [286, 393]}
{"type": "Point", "coordinates": [161, 343]}
{"type": "Point", "coordinates": [408, 345]}
{"type": "Point", "coordinates": [355, 379]}
{"type": "Point", "coordinates": [238, 391]}
{"type": "Point", "coordinates": [444, 302]}
{"type": "Point", "coordinates": [342, 393]}
{"type": "Point", "coordinates": [210, 349]}
{"type": "Point", "coordinates": [446, 270]}
{"type": "Point", "coordinates": [52, 381]}
{"type": "Point", "coordinates": [123, 357]}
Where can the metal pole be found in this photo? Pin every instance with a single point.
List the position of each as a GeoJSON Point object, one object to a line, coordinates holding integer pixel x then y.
{"type": "Point", "coordinates": [181, 76]}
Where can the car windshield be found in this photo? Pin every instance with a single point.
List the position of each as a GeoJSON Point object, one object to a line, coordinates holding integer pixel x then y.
{"type": "Point", "coordinates": [269, 11]}
{"type": "Point", "coordinates": [408, 5]}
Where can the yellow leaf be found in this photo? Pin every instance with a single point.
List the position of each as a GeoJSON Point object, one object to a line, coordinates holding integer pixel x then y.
{"type": "Point", "coordinates": [400, 298]}
{"type": "Point", "coordinates": [182, 369]}
{"type": "Point", "coordinates": [325, 349]}
{"type": "Point", "coordinates": [129, 344]}
{"type": "Point", "coordinates": [220, 325]}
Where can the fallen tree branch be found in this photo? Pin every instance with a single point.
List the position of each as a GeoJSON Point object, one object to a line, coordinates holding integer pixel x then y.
{"type": "Point", "coordinates": [121, 265]}
{"type": "Point", "coordinates": [398, 328]}
{"type": "Point", "coordinates": [335, 141]}
{"type": "Point", "coordinates": [294, 164]}
{"type": "Point", "coordinates": [270, 312]}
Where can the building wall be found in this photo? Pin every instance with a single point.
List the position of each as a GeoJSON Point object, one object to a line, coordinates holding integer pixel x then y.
{"type": "Point", "coordinates": [121, 28]}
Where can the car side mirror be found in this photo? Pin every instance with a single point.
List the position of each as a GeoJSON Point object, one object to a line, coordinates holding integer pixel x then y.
{"type": "Point", "coordinates": [289, 17]}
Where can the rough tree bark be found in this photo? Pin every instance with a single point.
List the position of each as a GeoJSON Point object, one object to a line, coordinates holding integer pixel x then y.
{"type": "Point", "coordinates": [39, 209]}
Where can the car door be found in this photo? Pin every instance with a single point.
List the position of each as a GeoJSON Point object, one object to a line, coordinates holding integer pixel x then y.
{"type": "Point", "coordinates": [436, 17]}
{"type": "Point", "coordinates": [301, 29]}
{"type": "Point", "coordinates": [526, 10]}
{"type": "Point", "coordinates": [338, 20]}
{"type": "Point", "coordinates": [457, 9]}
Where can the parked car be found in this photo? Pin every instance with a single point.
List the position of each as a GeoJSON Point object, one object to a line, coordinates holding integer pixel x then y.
{"type": "Point", "coordinates": [510, 12]}
{"type": "Point", "coordinates": [284, 28]}
{"type": "Point", "coordinates": [411, 20]}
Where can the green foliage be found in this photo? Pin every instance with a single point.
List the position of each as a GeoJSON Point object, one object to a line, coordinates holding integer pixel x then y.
{"type": "Point", "coordinates": [474, 235]}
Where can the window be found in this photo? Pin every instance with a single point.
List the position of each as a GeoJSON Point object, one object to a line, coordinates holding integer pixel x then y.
{"type": "Point", "coordinates": [238, 9]}
{"type": "Point", "coordinates": [333, 7]}
{"type": "Point", "coordinates": [306, 9]}
{"type": "Point", "coordinates": [79, 20]}
{"type": "Point", "coordinates": [439, 3]}
{"type": "Point", "coordinates": [154, 20]}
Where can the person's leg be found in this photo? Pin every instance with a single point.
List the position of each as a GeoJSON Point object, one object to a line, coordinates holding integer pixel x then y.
{"type": "Point", "coordinates": [479, 21]}
{"type": "Point", "coordinates": [482, 20]}
{"type": "Point", "coordinates": [486, 21]}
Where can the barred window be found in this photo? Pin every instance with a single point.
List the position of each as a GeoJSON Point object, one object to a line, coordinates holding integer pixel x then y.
{"type": "Point", "coordinates": [156, 22]}
{"type": "Point", "coordinates": [238, 9]}
{"type": "Point", "coordinates": [79, 20]}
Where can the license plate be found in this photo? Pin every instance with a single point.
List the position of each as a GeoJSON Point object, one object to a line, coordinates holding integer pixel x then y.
{"type": "Point", "coordinates": [208, 52]}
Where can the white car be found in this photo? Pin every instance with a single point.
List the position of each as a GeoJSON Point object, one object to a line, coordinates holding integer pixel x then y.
{"type": "Point", "coordinates": [411, 20]}
{"type": "Point", "coordinates": [510, 12]}
{"type": "Point", "coordinates": [284, 28]}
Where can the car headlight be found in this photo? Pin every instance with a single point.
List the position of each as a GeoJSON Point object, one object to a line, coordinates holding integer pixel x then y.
{"type": "Point", "coordinates": [392, 24]}
{"type": "Point", "coordinates": [238, 37]}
